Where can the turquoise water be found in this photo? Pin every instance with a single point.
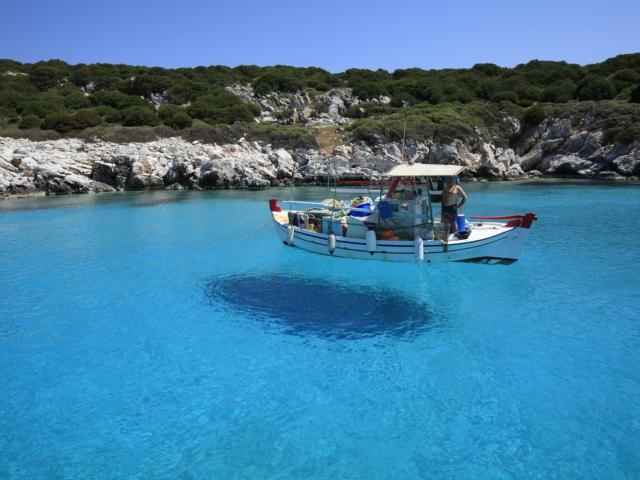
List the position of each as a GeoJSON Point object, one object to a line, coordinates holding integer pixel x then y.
{"type": "Point", "coordinates": [172, 335]}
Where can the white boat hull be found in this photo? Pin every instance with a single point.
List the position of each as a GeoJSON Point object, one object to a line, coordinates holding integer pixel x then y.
{"type": "Point", "coordinates": [488, 243]}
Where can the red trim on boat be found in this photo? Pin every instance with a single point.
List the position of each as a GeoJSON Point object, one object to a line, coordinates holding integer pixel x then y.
{"type": "Point", "coordinates": [519, 220]}
{"type": "Point", "coordinates": [273, 205]}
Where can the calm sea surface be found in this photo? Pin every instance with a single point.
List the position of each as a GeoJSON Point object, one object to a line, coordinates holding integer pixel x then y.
{"type": "Point", "coordinates": [172, 335]}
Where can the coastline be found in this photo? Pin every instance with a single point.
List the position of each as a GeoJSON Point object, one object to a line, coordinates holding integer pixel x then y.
{"type": "Point", "coordinates": [550, 180]}
{"type": "Point", "coordinates": [553, 150]}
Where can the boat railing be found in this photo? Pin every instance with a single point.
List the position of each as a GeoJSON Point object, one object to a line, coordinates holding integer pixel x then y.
{"type": "Point", "coordinates": [329, 207]}
{"type": "Point", "coordinates": [358, 190]}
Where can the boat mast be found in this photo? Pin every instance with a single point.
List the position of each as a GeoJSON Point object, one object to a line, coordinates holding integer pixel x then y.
{"type": "Point", "coordinates": [335, 193]}
{"type": "Point", "coordinates": [405, 104]}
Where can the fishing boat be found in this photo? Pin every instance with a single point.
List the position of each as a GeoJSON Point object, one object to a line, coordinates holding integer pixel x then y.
{"type": "Point", "coordinates": [401, 224]}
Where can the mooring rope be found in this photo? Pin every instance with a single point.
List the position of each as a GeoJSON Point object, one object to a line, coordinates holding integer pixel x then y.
{"type": "Point", "coordinates": [253, 232]}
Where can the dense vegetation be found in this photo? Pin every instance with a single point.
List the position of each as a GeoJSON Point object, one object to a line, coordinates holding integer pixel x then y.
{"type": "Point", "coordinates": [54, 98]}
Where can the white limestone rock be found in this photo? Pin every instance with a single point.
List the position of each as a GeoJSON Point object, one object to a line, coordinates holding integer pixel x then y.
{"type": "Point", "coordinates": [515, 172]}
{"type": "Point", "coordinates": [511, 124]}
{"type": "Point", "coordinates": [560, 128]}
{"type": "Point", "coordinates": [336, 101]}
{"type": "Point", "coordinates": [488, 163]}
{"type": "Point", "coordinates": [506, 156]}
{"type": "Point", "coordinates": [531, 160]}
{"type": "Point", "coordinates": [628, 164]}
{"type": "Point", "coordinates": [565, 164]}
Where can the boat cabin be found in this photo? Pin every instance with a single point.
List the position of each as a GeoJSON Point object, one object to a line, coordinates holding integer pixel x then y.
{"type": "Point", "coordinates": [407, 210]}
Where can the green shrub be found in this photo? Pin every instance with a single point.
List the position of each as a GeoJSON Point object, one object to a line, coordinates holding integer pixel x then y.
{"type": "Point", "coordinates": [209, 134]}
{"type": "Point", "coordinates": [89, 117]}
{"type": "Point", "coordinates": [505, 96]}
{"type": "Point", "coordinates": [525, 102]}
{"type": "Point", "coordinates": [167, 112]}
{"type": "Point", "coordinates": [419, 126]}
{"type": "Point", "coordinates": [34, 134]}
{"type": "Point", "coordinates": [110, 98]}
{"type": "Point", "coordinates": [542, 72]}
{"type": "Point", "coordinates": [238, 113]}
{"type": "Point", "coordinates": [30, 121]}
{"type": "Point", "coordinates": [163, 131]}
{"type": "Point", "coordinates": [60, 122]}
{"type": "Point", "coordinates": [180, 120]}
{"type": "Point", "coordinates": [447, 132]}
{"type": "Point", "coordinates": [595, 87]}
{"type": "Point", "coordinates": [277, 81]}
{"type": "Point", "coordinates": [461, 95]}
{"type": "Point", "coordinates": [533, 93]}
{"type": "Point", "coordinates": [559, 92]}
{"type": "Point", "coordinates": [402, 99]}
{"type": "Point", "coordinates": [635, 95]}
{"type": "Point", "coordinates": [461, 89]}
{"type": "Point", "coordinates": [42, 105]}
{"type": "Point", "coordinates": [363, 110]}
{"type": "Point", "coordinates": [76, 101]}
{"type": "Point", "coordinates": [66, 122]}
{"type": "Point", "coordinates": [115, 99]}
{"type": "Point", "coordinates": [279, 136]}
{"type": "Point", "coordinates": [628, 135]}
{"type": "Point", "coordinates": [625, 78]}
{"type": "Point", "coordinates": [110, 114]}
{"type": "Point", "coordinates": [534, 116]}
{"type": "Point", "coordinates": [146, 84]}
{"type": "Point", "coordinates": [488, 69]}
{"type": "Point", "coordinates": [211, 105]}
{"type": "Point", "coordinates": [8, 114]}
{"type": "Point", "coordinates": [427, 91]}
{"type": "Point", "coordinates": [222, 107]}
{"type": "Point", "coordinates": [44, 77]}
{"type": "Point", "coordinates": [105, 110]}
{"type": "Point", "coordinates": [139, 116]}
{"type": "Point", "coordinates": [10, 100]}
{"type": "Point", "coordinates": [185, 91]}
{"type": "Point", "coordinates": [370, 132]}
{"type": "Point", "coordinates": [367, 90]}
{"type": "Point", "coordinates": [487, 88]}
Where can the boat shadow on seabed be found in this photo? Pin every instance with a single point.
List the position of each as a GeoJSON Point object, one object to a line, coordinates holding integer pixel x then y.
{"type": "Point", "coordinates": [308, 306]}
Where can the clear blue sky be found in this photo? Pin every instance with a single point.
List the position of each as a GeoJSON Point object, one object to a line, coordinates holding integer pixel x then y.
{"type": "Point", "coordinates": [332, 34]}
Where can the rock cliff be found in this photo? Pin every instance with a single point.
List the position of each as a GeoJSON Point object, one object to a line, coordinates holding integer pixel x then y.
{"type": "Point", "coordinates": [556, 147]}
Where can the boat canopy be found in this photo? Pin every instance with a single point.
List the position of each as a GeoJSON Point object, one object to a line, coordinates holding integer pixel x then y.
{"type": "Point", "coordinates": [424, 170]}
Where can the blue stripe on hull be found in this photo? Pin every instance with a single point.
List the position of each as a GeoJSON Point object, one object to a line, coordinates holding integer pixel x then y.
{"type": "Point", "coordinates": [428, 247]}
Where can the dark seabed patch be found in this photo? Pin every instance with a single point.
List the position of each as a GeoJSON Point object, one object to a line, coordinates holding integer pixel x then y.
{"type": "Point", "coordinates": [152, 199]}
{"type": "Point", "coordinates": [138, 199]}
{"type": "Point", "coordinates": [307, 306]}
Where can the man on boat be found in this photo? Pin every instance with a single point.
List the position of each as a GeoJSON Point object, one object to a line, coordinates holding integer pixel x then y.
{"type": "Point", "coordinates": [452, 190]}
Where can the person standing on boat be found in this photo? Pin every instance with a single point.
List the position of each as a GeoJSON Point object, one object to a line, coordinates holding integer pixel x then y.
{"type": "Point", "coordinates": [452, 190]}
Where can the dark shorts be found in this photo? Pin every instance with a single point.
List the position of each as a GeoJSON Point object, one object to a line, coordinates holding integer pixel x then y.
{"type": "Point", "coordinates": [449, 214]}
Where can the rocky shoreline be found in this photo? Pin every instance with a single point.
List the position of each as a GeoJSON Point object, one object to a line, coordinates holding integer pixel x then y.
{"type": "Point", "coordinates": [555, 148]}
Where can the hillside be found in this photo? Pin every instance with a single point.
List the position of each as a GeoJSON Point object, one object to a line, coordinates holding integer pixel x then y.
{"type": "Point", "coordinates": [541, 117]}
{"type": "Point", "coordinates": [52, 99]}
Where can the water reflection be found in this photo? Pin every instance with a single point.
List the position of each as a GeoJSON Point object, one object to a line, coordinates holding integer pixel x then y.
{"type": "Point", "coordinates": [307, 306]}
{"type": "Point", "coordinates": [133, 199]}
{"type": "Point", "coordinates": [159, 198]}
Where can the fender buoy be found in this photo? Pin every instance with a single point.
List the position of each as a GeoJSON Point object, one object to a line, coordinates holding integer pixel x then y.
{"type": "Point", "coordinates": [371, 241]}
{"type": "Point", "coordinates": [290, 234]}
{"type": "Point", "coordinates": [331, 243]}
{"type": "Point", "coordinates": [419, 243]}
